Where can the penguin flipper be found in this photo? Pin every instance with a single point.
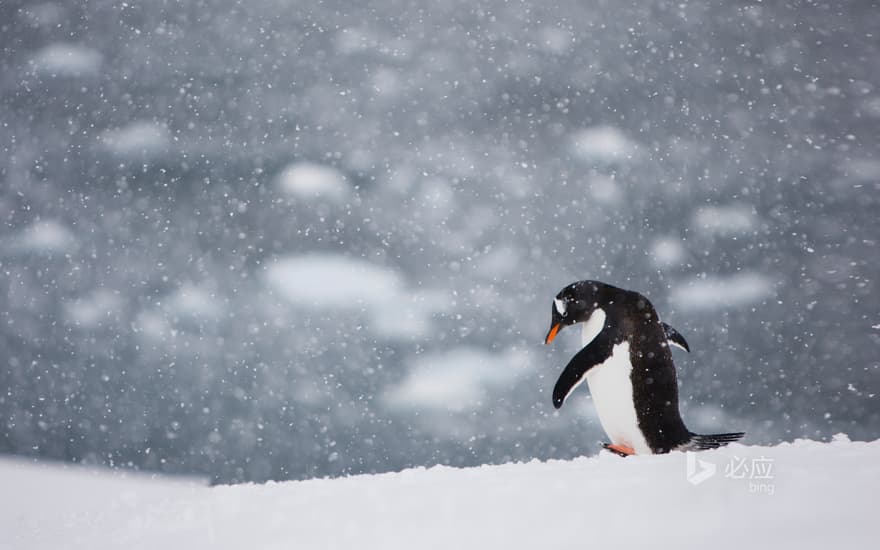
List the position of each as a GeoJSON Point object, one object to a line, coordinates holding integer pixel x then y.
{"type": "Point", "coordinates": [675, 338]}
{"type": "Point", "coordinates": [593, 354]}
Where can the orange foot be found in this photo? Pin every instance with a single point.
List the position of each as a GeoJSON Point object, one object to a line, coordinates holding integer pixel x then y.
{"type": "Point", "coordinates": [621, 450]}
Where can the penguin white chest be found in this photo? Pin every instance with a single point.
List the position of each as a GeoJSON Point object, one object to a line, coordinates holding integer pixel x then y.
{"type": "Point", "coordinates": [611, 386]}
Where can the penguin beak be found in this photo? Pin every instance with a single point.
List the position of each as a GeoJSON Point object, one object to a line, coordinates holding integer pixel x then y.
{"type": "Point", "coordinates": [554, 330]}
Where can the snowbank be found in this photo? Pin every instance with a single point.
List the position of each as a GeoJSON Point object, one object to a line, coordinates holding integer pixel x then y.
{"type": "Point", "coordinates": [804, 495]}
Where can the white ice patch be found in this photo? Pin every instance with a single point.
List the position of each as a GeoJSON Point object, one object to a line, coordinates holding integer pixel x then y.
{"type": "Point", "coordinates": [605, 190]}
{"type": "Point", "coordinates": [601, 143]}
{"type": "Point", "coordinates": [498, 263]}
{"type": "Point", "coordinates": [308, 180]}
{"type": "Point", "coordinates": [716, 293]}
{"type": "Point", "coordinates": [667, 252]}
{"type": "Point", "coordinates": [456, 380]}
{"type": "Point", "coordinates": [593, 326]}
{"type": "Point", "coordinates": [97, 308]}
{"type": "Point", "coordinates": [611, 387]}
{"type": "Point", "coordinates": [727, 220]}
{"type": "Point", "coordinates": [136, 139]}
{"type": "Point", "coordinates": [386, 83]}
{"type": "Point", "coordinates": [194, 302]}
{"type": "Point", "coordinates": [408, 315]}
{"type": "Point", "coordinates": [45, 237]}
{"type": "Point", "coordinates": [555, 40]}
{"type": "Point", "coordinates": [332, 282]}
{"type": "Point", "coordinates": [152, 326]}
{"type": "Point", "coordinates": [66, 59]}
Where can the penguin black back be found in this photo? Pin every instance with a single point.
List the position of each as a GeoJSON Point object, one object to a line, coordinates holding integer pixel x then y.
{"type": "Point", "coordinates": [655, 385]}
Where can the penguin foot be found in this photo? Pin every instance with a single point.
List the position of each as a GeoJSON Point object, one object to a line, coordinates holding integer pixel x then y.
{"type": "Point", "coordinates": [619, 450]}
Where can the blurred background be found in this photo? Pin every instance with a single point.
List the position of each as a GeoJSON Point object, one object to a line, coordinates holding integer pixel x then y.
{"type": "Point", "coordinates": [270, 239]}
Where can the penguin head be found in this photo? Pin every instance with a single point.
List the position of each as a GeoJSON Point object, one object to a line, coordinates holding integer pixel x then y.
{"type": "Point", "coordinates": [575, 303]}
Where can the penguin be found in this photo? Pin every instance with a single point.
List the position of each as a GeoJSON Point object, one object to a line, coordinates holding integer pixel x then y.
{"type": "Point", "coordinates": [627, 364]}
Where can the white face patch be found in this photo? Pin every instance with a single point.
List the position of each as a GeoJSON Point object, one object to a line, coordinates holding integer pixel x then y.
{"type": "Point", "coordinates": [593, 326]}
{"type": "Point", "coordinates": [560, 306]}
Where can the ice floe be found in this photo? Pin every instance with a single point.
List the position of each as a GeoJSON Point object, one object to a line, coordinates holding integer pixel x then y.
{"type": "Point", "coordinates": [67, 59]}
{"type": "Point", "coordinates": [309, 180]}
{"type": "Point", "coordinates": [714, 293]}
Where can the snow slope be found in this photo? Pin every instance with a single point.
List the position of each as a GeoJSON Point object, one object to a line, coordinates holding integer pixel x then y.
{"type": "Point", "coordinates": [812, 495]}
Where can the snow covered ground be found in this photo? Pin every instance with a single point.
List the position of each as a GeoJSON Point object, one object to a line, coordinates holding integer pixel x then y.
{"type": "Point", "coordinates": [805, 495]}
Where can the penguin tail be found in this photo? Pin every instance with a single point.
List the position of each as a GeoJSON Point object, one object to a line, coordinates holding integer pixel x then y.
{"type": "Point", "coordinates": [711, 441]}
